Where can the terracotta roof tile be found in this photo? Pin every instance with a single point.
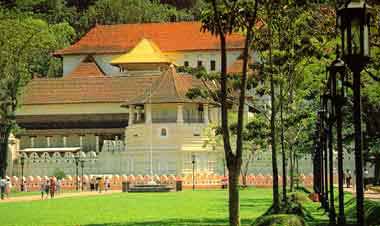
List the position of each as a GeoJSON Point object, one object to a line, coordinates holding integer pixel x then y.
{"type": "Point", "coordinates": [170, 37]}
{"type": "Point", "coordinates": [101, 89]}
{"type": "Point", "coordinates": [86, 69]}
{"type": "Point", "coordinates": [170, 88]}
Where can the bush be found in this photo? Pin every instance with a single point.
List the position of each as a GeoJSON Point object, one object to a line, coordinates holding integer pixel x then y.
{"type": "Point", "coordinates": [372, 211]}
{"type": "Point", "coordinates": [300, 197]}
{"type": "Point", "coordinates": [59, 174]}
{"type": "Point", "coordinates": [280, 220]}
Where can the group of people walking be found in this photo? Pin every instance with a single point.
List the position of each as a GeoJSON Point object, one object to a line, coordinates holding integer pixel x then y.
{"type": "Point", "coordinates": [100, 184]}
{"type": "Point", "coordinates": [50, 187]}
{"type": "Point", "coordinates": [5, 187]}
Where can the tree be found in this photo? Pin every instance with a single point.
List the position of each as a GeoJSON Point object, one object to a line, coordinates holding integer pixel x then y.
{"type": "Point", "coordinates": [24, 42]}
{"type": "Point", "coordinates": [221, 19]}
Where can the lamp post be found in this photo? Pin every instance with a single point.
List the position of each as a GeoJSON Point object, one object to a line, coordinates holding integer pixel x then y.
{"type": "Point", "coordinates": [337, 70]}
{"type": "Point", "coordinates": [22, 161]}
{"type": "Point", "coordinates": [3, 153]}
{"type": "Point", "coordinates": [76, 158]}
{"type": "Point", "coordinates": [82, 166]}
{"type": "Point", "coordinates": [193, 162]}
{"type": "Point", "coordinates": [330, 137]}
{"type": "Point", "coordinates": [354, 21]}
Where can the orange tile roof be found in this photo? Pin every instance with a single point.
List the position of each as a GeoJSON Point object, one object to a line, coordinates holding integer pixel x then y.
{"type": "Point", "coordinates": [86, 69]}
{"type": "Point", "coordinates": [101, 89]}
{"type": "Point", "coordinates": [170, 37]}
{"type": "Point", "coordinates": [170, 88]}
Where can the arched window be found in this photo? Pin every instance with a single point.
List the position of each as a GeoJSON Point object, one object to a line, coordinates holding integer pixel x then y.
{"type": "Point", "coordinates": [164, 132]}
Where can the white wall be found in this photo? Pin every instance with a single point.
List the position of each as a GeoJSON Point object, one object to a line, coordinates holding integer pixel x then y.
{"type": "Point", "coordinates": [70, 62]}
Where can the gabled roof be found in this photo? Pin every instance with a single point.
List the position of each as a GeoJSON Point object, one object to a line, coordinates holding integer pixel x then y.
{"type": "Point", "coordinates": [87, 68]}
{"type": "Point", "coordinates": [169, 88]}
{"type": "Point", "coordinates": [146, 51]}
{"type": "Point", "coordinates": [170, 37]}
{"type": "Point", "coordinates": [102, 89]}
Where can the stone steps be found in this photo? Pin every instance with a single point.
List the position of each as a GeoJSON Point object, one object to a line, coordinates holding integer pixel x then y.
{"type": "Point", "coordinates": [150, 188]}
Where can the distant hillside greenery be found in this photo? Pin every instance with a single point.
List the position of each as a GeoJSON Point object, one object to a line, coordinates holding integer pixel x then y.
{"type": "Point", "coordinates": [84, 14]}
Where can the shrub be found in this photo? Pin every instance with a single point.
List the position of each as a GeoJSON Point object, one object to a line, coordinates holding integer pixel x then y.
{"type": "Point", "coordinates": [300, 197]}
{"type": "Point", "coordinates": [372, 211]}
{"type": "Point", "coordinates": [59, 174]}
{"type": "Point", "coordinates": [280, 220]}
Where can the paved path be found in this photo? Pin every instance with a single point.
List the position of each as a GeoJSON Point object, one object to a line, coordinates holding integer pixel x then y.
{"type": "Point", "coordinates": [370, 194]}
{"type": "Point", "coordinates": [63, 195]}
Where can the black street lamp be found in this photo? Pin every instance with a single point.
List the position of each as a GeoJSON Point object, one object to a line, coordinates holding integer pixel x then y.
{"type": "Point", "coordinates": [76, 158]}
{"type": "Point", "coordinates": [193, 162]}
{"type": "Point", "coordinates": [337, 70]}
{"type": "Point", "coordinates": [330, 137]}
{"type": "Point", "coordinates": [82, 166]}
{"type": "Point", "coordinates": [3, 153]}
{"type": "Point", "coordinates": [354, 20]}
{"type": "Point", "coordinates": [22, 161]}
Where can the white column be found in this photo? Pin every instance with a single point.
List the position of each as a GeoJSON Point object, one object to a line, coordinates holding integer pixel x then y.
{"type": "Point", "coordinates": [180, 113]}
{"type": "Point", "coordinates": [205, 113]}
{"type": "Point", "coordinates": [48, 142]}
{"type": "Point", "coordinates": [81, 141]}
{"type": "Point", "coordinates": [148, 113]}
{"type": "Point", "coordinates": [138, 114]}
{"type": "Point", "coordinates": [32, 142]}
{"type": "Point", "coordinates": [97, 143]}
{"type": "Point", "coordinates": [131, 114]}
{"type": "Point", "coordinates": [64, 141]}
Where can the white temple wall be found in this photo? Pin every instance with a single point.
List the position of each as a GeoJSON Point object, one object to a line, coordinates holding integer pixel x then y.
{"type": "Point", "coordinates": [70, 62]}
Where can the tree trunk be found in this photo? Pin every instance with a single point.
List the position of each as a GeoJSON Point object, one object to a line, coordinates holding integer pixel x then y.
{"type": "Point", "coordinates": [4, 155]}
{"type": "Point", "coordinates": [377, 170]}
{"type": "Point", "coordinates": [291, 170]}
{"type": "Point", "coordinates": [276, 199]}
{"type": "Point", "coordinates": [284, 174]}
{"type": "Point", "coordinates": [234, 201]}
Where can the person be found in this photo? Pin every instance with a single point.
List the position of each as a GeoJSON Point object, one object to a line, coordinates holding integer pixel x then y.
{"type": "Point", "coordinates": [8, 187]}
{"type": "Point", "coordinates": [2, 187]}
{"type": "Point", "coordinates": [92, 184]}
{"type": "Point", "coordinates": [47, 188]}
{"type": "Point", "coordinates": [348, 178]}
{"type": "Point", "coordinates": [42, 188]}
{"type": "Point", "coordinates": [107, 184]}
{"type": "Point", "coordinates": [52, 187]}
{"type": "Point", "coordinates": [97, 183]}
{"type": "Point", "coordinates": [101, 185]}
{"type": "Point", "coordinates": [366, 179]}
{"type": "Point", "coordinates": [58, 186]}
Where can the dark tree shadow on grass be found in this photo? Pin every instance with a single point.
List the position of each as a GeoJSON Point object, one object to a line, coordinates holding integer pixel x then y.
{"type": "Point", "coordinates": [175, 222]}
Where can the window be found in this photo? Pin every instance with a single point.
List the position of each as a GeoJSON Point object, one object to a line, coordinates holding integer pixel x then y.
{"type": "Point", "coordinates": [212, 65]}
{"type": "Point", "coordinates": [199, 63]}
{"type": "Point", "coordinates": [164, 132]}
{"type": "Point", "coordinates": [186, 63]}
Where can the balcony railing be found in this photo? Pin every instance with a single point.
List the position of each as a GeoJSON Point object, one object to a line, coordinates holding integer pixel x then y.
{"type": "Point", "coordinates": [164, 120]}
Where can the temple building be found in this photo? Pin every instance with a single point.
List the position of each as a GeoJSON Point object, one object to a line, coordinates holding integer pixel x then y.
{"type": "Point", "coordinates": [121, 97]}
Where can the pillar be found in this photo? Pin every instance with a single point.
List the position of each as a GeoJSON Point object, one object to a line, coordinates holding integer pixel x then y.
{"type": "Point", "coordinates": [180, 113]}
{"type": "Point", "coordinates": [131, 114]}
{"type": "Point", "coordinates": [48, 142]}
{"type": "Point", "coordinates": [97, 143]}
{"type": "Point", "coordinates": [138, 111]}
{"type": "Point", "coordinates": [148, 113]}
{"type": "Point", "coordinates": [32, 142]}
{"type": "Point", "coordinates": [81, 141]}
{"type": "Point", "coordinates": [205, 114]}
{"type": "Point", "coordinates": [64, 141]}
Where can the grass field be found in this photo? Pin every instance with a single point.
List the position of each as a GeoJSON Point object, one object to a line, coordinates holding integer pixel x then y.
{"type": "Point", "coordinates": [134, 209]}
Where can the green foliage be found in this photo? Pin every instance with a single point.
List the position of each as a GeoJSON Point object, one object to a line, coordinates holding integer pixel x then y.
{"type": "Point", "coordinates": [372, 211]}
{"type": "Point", "coordinates": [280, 220]}
{"type": "Point", "coordinates": [59, 174]}
{"type": "Point", "coordinates": [26, 45]}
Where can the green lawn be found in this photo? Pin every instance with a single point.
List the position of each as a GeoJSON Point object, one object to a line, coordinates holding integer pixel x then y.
{"type": "Point", "coordinates": [135, 209]}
